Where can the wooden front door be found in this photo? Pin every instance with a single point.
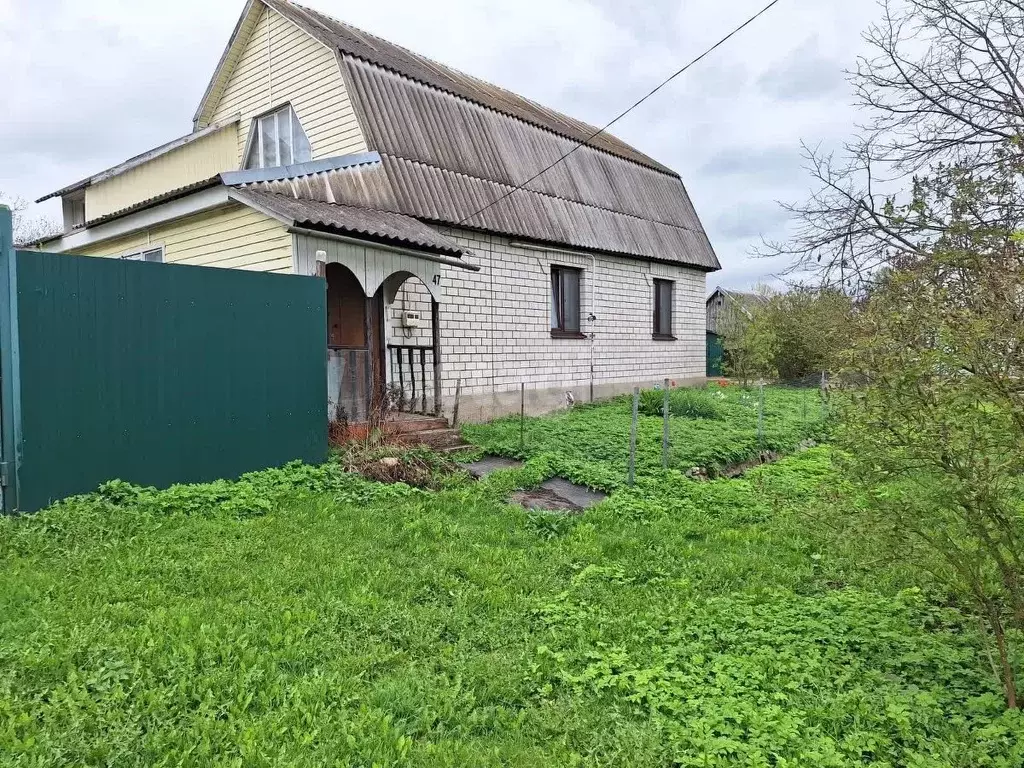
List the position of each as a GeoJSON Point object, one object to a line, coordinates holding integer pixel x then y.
{"type": "Point", "coordinates": [355, 346]}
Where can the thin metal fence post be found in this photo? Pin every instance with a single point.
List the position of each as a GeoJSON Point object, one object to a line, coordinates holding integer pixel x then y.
{"type": "Point", "coordinates": [804, 408]}
{"type": "Point", "coordinates": [824, 396]}
{"type": "Point", "coordinates": [522, 415]}
{"type": "Point", "coordinates": [458, 396]}
{"type": "Point", "coordinates": [631, 479]}
{"type": "Point", "coordinates": [11, 440]}
{"type": "Point", "coordinates": [665, 429]}
{"type": "Point", "coordinates": [760, 417]}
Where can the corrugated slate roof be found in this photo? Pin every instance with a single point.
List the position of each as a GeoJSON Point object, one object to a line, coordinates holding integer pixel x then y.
{"type": "Point", "coordinates": [453, 144]}
{"type": "Point", "coordinates": [435, 194]}
{"type": "Point", "coordinates": [363, 45]}
{"type": "Point", "coordinates": [383, 226]}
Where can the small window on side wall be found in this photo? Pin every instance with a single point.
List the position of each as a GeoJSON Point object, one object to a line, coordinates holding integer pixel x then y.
{"type": "Point", "coordinates": [663, 310]}
{"type": "Point", "coordinates": [565, 302]}
{"type": "Point", "coordinates": [149, 254]}
{"type": "Point", "coordinates": [277, 139]}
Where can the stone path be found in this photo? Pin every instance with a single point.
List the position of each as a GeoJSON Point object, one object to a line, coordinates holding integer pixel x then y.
{"type": "Point", "coordinates": [554, 495]}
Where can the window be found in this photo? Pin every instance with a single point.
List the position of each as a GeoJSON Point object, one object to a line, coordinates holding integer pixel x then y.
{"type": "Point", "coordinates": [663, 310]}
{"type": "Point", "coordinates": [277, 139]}
{"type": "Point", "coordinates": [74, 212]}
{"type": "Point", "coordinates": [565, 302]}
{"type": "Point", "coordinates": [150, 254]}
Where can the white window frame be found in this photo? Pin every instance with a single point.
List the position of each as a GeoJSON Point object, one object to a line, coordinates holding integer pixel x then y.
{"type": "Point", "coordinates": [140, 255]}
{"type": "Point", "coordinates": [256, 137]}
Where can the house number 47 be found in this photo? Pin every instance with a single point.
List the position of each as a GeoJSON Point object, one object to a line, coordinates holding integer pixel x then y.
{"type": "Point", "coordinates": [437, 279]}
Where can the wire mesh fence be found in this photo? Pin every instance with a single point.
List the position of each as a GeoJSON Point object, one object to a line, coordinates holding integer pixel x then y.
{"type": "Point", "coordinates": [720, 429]}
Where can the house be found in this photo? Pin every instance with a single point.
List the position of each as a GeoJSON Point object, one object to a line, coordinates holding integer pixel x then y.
{"type": "Point", "coordinates": [722, 303]}
{"type": "Point", "coordinates": [319, 149]}
{"type": "Point", "coordinates": [722, 307]}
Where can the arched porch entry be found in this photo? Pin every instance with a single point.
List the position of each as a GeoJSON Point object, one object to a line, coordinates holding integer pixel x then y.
{"type": "Point", "coordinates": [413, 340]}
{"type": "Point", "coordinates": [383, 328]}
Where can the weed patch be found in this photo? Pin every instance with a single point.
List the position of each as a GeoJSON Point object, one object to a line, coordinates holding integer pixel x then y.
{"type": "Point", "coordinates": [343, 621]}
{"type": "Point", "coordinates": [590, 443]}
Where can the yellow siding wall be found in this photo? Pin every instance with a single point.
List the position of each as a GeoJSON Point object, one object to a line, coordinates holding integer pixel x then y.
{"type": "Point", "coordinates": [198, 161]}
{"type": "Point", "coordinates": [234, 236]}
{"type": "Point", "coordinates": [281, 63]}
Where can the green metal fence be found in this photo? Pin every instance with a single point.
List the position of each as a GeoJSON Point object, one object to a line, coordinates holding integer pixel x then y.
{"type": "Point", "coordinates": [715, 354]}
{"type": "Point", "coordinates": [152, 373]}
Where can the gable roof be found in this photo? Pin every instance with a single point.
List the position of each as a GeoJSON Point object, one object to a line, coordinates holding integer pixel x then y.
{"type": "Point", "coordinates": [454, 145]}
{"type": "Point", "coordinates": [366, 47]}
{"type": "Point", "coordinates": [459, 144]}
{"type": "Point", "coordinates": [745, 301]}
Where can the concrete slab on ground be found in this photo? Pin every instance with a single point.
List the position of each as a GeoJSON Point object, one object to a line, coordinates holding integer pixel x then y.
{"type": "Point", "coordinates": [543, 500]}
{"type": "Point", "coordinates": [488, 464]}
{"type": "Point", "coordinates": [554, 495]}
{"type": "Point", "coordinates": [579, 495]}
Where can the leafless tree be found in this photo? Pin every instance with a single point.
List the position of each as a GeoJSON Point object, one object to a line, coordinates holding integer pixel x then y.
{"type": "Point", "coordinates": [942, 92]}
{"type": "Point", "coordinates": [28, 229]}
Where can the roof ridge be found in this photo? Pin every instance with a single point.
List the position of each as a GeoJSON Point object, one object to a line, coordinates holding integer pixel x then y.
{"type": "Point", "coordinates": [444, 66]}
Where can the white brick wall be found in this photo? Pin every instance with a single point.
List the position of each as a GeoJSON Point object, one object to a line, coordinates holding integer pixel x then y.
{"type": "Point", "coordinates": [495, 327]}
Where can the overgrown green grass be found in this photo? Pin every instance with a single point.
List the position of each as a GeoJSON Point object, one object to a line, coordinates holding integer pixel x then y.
{"type": "Point", "coordinates": [710, 428]}
{"type": "Point", "coordinates": [347, 623]}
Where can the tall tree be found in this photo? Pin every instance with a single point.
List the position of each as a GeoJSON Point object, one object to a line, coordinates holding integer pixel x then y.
{"type": "Point", "coordinates": [923, 216]}
{"type": "Point", "coordinates": [942, 87]}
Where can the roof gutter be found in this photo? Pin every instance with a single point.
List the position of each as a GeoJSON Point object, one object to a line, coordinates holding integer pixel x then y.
{"type": "Point", "coordinates": [447, 261]}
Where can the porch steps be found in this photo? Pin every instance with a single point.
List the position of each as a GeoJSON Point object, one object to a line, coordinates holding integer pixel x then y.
{"type": "Point", "coordinates": [430, 431]}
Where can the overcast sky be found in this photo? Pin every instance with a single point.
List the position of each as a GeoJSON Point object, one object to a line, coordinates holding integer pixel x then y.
{"type": "Point", "coordinates": [88, 84]}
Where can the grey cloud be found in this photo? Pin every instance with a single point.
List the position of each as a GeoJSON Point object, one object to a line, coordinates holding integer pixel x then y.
{"type": "Point", "coordinates": [749, 220]}
{"type": "Point", "coordinates": [805, 75]}
{"type": "Point", "coordinates": [768, 164]}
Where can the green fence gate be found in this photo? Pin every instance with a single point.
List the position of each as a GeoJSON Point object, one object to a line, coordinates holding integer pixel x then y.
{"type": "Point", "coordinates": [152, 373]}
{"type": "Point", "coordinates": [715, 353]}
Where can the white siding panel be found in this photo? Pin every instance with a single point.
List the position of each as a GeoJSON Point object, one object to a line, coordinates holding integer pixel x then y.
{"type": "Point", "coordinates": [230, 237]}
{"type": "Point", "coordinates": [280, 63]}
{"type": "Point", "coordinates": [197, 161]}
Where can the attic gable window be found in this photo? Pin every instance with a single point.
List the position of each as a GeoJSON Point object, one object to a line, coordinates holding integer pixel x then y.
{"type": "Point", "coordinates": [277, 139]}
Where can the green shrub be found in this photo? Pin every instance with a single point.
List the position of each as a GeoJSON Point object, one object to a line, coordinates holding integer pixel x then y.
{"type": "Point", "coordinates": [685, 403]}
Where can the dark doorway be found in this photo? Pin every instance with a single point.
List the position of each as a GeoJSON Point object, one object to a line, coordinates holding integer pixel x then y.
{"type": "Point", "coordinates": [346, 309]}
{"type": "Point", "coordinates": [355, 346]}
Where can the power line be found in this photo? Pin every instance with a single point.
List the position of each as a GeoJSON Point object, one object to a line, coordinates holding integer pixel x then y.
{"type": "Point", "coordinates": [601, 130]}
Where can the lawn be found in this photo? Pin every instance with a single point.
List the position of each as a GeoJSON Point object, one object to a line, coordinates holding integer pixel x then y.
{"type": "Point", "coordinates": [306, 617]}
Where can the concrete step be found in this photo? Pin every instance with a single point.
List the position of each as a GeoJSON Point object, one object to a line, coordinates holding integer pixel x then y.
{"type": "Point", "coordinates": [410, 426]}
{"type": "Point", "coordinates": [456, 448]}
{"type": "Point", "coordinates": [435, 438]}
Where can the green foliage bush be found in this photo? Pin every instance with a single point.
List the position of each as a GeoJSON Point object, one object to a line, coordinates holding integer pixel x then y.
{"type": "Point", "coordinates": [684, 403]}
